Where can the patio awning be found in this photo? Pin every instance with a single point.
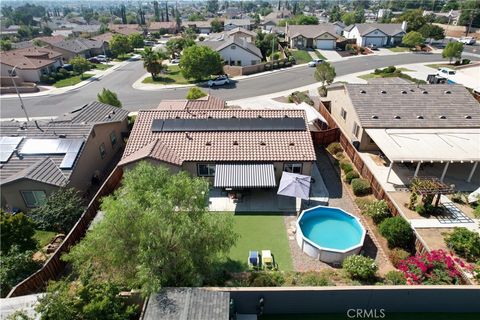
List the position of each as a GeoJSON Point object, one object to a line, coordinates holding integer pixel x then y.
{"type": "Point", "coordinates": [427, 145]}
{"type": "Point", "coordinates": [244, 175]}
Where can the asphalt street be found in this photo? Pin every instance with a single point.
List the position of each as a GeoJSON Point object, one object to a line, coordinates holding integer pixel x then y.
{"type": "Point", "coordinates": [121, 80]}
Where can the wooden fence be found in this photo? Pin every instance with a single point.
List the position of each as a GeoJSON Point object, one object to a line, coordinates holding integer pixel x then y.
{"type": "Point", "coordinates": [54, 265]}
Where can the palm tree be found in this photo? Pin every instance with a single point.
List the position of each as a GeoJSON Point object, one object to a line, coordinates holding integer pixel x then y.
{"type": "Point", "coordinates": [152, 61]}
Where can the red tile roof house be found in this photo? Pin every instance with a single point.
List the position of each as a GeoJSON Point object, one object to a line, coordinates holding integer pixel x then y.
{"type": "Point", "coordinates": [233, 148]}
{"type": "Point", "coordinates": [169, 26]}
{"type": "Point", "coordinates": [125, 29]}
{"type": "Point", "coordinates": [31, 62]}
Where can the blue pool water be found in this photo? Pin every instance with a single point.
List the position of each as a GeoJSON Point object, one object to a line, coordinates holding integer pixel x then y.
{"type": "Point", "coordinates": [331, 228]}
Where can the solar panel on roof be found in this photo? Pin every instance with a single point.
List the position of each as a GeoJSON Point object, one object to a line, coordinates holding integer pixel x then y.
{"type": "Point", "coordinates": [229, 124]}
{"type": "Point", "coordinates": [51, 146]}
{"type": "Point", "coordinates": [68, 160]}
{"type": "Point", "coordinates": [7, 146]}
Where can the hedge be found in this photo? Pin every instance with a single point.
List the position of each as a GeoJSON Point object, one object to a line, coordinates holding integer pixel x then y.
{"type": "Point", "coordinates": [398, 233]}
{"type": "Point", "coordinates": [349, 176]}
{"type": "Point", "coordinates": [361, 187]}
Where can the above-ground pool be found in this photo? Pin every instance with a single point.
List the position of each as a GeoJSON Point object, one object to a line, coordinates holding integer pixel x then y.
{"type": "Point", "coordinates": [329, 234]}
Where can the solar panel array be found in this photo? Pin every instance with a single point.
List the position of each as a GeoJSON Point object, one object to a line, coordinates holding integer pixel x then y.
{"type": "Point", "coordinates": [7, 146]}
{"type": "Point", "coordinates": [228, 124]}
{"type": "Point", "coordinates": [69, 147]}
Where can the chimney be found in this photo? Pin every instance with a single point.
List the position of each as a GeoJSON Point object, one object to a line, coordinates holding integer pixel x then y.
{"type": "Point", "coordinates": [404, 26]}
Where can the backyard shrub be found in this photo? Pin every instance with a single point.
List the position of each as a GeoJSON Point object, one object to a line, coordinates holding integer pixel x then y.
{"type": "Point", "coordinates": [361, 187]}
{"type": "Point", "coordinates": [458, 197]}
{"type": "Point", "coordinates": [334, 148]}
{"type": "Point", "coordinates": [377, 210]}
{"type": "Point", "coordinates": [351, 175]}
{"type": "Point", "coordinates": [346, 166]}
{"type": "Point", "coordinates": [276, 56]}
{"type": "Point", "coordinates": [360, 267]}
{"type": "Point", "coordinates": [390, 69]}
{"type": "Point", "coordinates": [299, 97]}
{"type": "Point", "coordinates": [265, 279]}
{"type": "Point", "coordinates": [397, 255]}
{"type": "Point", "coordinates": [476, 211]}
{"type": "Point", "coordinates": [425, 210]}
{"type": "Point", "coordinates": [476, 271]}
{"type": "Point", "coordinates": [398, 233]}
{"type": "Point", "coordinates": [465, 61]}
{"type": "Point", "coordinates": [339, 155]}
{"type": "Point", "coordinates": [465, 243]}
{"type": "Point", "coordinates": [395, 278]}
{"type": "Point", "coordinates": [313, 279]}
{"type": "Point", "coordinates": [433, 268]}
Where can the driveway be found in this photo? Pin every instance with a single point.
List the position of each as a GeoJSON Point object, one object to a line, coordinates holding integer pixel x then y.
{"type": "Point", "coordinates": [330, 55]}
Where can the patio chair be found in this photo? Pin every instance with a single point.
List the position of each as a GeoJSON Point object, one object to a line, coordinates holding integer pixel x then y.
{"type": "Point", "coordinates": [267, 260]}
{"type": "Point", "coordinates": [253, 260]}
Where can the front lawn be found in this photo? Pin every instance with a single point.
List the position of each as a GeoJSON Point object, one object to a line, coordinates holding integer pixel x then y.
{"type": "Point", "coordinates": [43, 237]}
{"type": "Point", "coordinates": [71, 81]}
{"type": "Point", "coordinates": [173, 76]}
{"type": "Point", "coordinates": [399, 49]}
{"type": "Point", "coordinates": [440, 65]}
{"type": "Point", "coordinates": [398, 73]}
{"type": "Point", "coordinates": [301, 56]}
{"type": "Point", "coordinates": [124, 57]}
{"type": "Point", "coordinates": [101, 66]}
{"type": "Point", "coordinates": [262, 231]}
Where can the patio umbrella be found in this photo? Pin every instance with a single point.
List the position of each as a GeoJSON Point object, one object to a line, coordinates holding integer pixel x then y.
{"type": "Point", "coordinates": [474, 196]}
{"type": "Point", "coordinates": [294, 185]}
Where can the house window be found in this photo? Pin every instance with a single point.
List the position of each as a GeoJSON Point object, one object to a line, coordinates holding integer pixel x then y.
{"type": "Point", "coordinates": [356, 129]}
{"type": "Point", "coordinates": [205, 170]}
{"type": "Point", "coordinates": [102, 150]}
{"type": "Point", "coordinates": [113, 138]}
{"type": "Point", "coordinates": [343, 114]}
{"type": "Point", "coordinates": [34, 199]}
{"type": "Point", "coordinates": [239, 62]}
{"type": "Point", "coordinates": [292, 167]}
{"type": "Point", "coordinates": [233, 47]}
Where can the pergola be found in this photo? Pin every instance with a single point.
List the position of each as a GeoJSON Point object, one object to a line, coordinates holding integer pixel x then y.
{"type": "Point", "coordinates": [432, 186]}
{"type": "Point", "coordinates": [429, 145]}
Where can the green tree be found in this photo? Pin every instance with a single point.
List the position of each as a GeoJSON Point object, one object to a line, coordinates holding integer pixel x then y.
{"type": "Point", "coordinates": [324, 73]}
{"type": "Point", "coordinates": [80, 65]}
{"type": "Point", "coordinates": [217, 25]}
{"type": "Point", "coordinates": [15, 267]}
{"type": "Point", "coordinates": [470, 12]}
{"type": "Point", "coordinates": [302, 19]}
{"type": "Point", "coordinates": [432, 31]}
{"type": "Point", "coordinates": [152, 61]}
{"type": "Point", "coordinates": [109, 97]}
{"type": "Point", "coordinates": [335, 14]}
{"type": "Point", "coordinates": [175, 46]}
{"type": "Point", "coordinates": [348, 18]}
{"type": "Point", "coordinates": [5, 45]}
{"type": "Point", "coordinates": [212, 6]}
{"type": "Point", "coordinates": [413, 39]}
{"type": "Point", "coordinates": [359, 14]}
{"type": "Point", "coordinates": [195, 93]}
{"type": "Point", "coordinates": [453, 50]}
{"type": "Point", "coordinates": [135, 40]}
{"type": "Point", "coordinates": [414, 18]}
{"type": "Point", "coordinates": [196, 17]}
{"type": "Point", "coordinates": [199, 62]}
{"type": "Point", "coordinates": [60, 212]}
{"type": "Point", "coordinates": [47, 31]}
{"type": "Point", "coordinates": [264, 42]}
{"type": "Point", "coordinates": [16, 230]}
{"type": "Point", "coordinates": [119, 45]}
{"type": "Point", "coordinates": [160, 222]}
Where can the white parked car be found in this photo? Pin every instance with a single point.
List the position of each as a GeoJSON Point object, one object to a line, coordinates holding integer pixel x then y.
{"type": "Point", "coordinates": [315, 62]}
{"type": "Point", "coordinates": [445, 72]}
{"type": "Point", "coordinates": [101, 58]}
{"type": "Point", "coordinates": [219, 81]}
{"type": "Point", "coordinates": [468, 40]}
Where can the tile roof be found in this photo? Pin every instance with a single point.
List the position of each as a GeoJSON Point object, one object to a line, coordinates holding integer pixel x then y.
{"type": "Point", "coordinates": [44, 170]}
{"type": "Point", "coordinates": [377, 105]}
{"type": "Point", "coordinates": [218, 145]}
{"type": "Point", "coordinates": [311, 31]}
{"type": "Point", "coordinates": [390, 29]}
{"type": "Point", "coordinates": [107, 37]}
{"type": "Point", "coordinates": [207, 102]}
{"type": "Point", "coordinates": [51, 39]}
{"type": "Point", "coordinates": [198, 23]}
{"type": "Point", "coordinates": [95, 112]}
{"type": "Point", "coordinates": [29, 58]}
{"type": "Point", "coordinates": [157, 25]}
{"type": "Point", "coordinates": [219, 45]}
{"type": "Point", "coordinates": [125, 29]}
{"type": "Point", "coordinates": [389, 80]}
{"type": "Point", "coordinates": [238, 22]}
{"type": "Point", "coordinates": [78, 45]}
{"type": "Point", "coordinates": [242, 30]}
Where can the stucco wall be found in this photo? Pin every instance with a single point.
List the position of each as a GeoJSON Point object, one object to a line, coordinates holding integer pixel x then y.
{"type": "Point", "coordinates": [238, 54]}
{"type": "Point", "coordinates": [12, 198]}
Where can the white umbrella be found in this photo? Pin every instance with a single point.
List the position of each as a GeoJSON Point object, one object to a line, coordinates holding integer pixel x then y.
{"type": "Point", "coordinates": [294, 185]}
{"type": "Point", "coordinates": [474, 196]}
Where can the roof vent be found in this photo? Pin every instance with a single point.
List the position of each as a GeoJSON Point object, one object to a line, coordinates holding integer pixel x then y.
{"type": "Point", "coordinates": [404, 92]}
{"type": "Point", "coordinates": [291, 144]}
{"type": "Point", "coordinates": [263, 143]}
{"type": "Point", "coordinates": [234, 117]}
{"type": "Point", "coordinates": [411, 90]}
{"type": "Point", "coordinates": [363, 91]}
{"type": "Point", "coordinates": [286, 116]}
{"type": "Point", "coordinates": [447, 92]}
{"type": "Point", "coordinates": [420, 117]}
{"type": "Point", "coordinates": [208, 143]}
{"type": "Point", "coordinates": [209, 117]}
{"type": "Point", "coordinates": [235, 143]}
{"type": "Point", "coordinates": [425, 92]}
{"type": "Point", "coordinates": [189, 137]}
{"type": "Point", "coordinates": [468, 117]}
{"type": "Point", "coordinates": [259, 116]}
{"type": "Point", "coordinates": [383, 92]}
{"type": "Point", "coordinates": [397, 117]}
{"type": "Point", "coordinates": [62, 135]}
{"type": "Point", "coordinates": [374, 117]}
{"type": "Point", "coordinates": [442, 117]}
{"type": "Point", "coordinates": [177, 117]}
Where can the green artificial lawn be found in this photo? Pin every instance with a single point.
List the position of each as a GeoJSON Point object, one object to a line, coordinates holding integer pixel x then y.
{"type": "Point", "coordinates": [173, 76]}
{"type": "Point", "coordinates": [43, 237]}
{"type": "Point", "coordinates": [388, 316]}
{"type": "Point", "coordinates": [440, 65]}
{"type": "Point", "coordinates": [261, 231]}
{"type": "Point", "coordinates": [399, 49]}
{"type": "Point", "coordinates": [301, 56]}
{"type": "Point", "coordinates": [71, 81]}
{"type": "Point", "coordinates": [389, 75]}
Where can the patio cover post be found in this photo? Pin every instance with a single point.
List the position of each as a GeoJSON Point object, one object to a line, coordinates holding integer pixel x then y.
{"type": "Point", "coordinates": [416, 169]}
{"type": "Point", "coordinates": [389, 170]}
{"type": "Point", "coordinates": [444, 171]}
{"type": "Point", "coordinates": [470, 176]}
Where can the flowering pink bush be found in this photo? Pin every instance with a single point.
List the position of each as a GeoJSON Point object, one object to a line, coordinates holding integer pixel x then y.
{"type": "Point", "coordinates": [435, 267]}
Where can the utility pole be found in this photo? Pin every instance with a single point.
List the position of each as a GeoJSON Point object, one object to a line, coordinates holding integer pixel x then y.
{"type": "Point", "coordinates": [472, 13]}
{"type": "Point", "coordinates": [13, 74]}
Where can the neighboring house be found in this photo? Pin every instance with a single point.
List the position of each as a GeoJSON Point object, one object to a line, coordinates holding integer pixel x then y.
{"type": "Point", "coordinates": [169, 26]}
{"type": "Point", "coordinates": [378, 34]}
{"type": "Point", "coordinates": [86, 30]}
{"type": "Point", "coordinates": [268, 25]}
{"type": "Point", "coordinates": [235, 23]}
{"type": "Point", "coordinates": [207, 102]}
{"type": "Point", "coordinates": [79, 47]}
{"type": "Point", "coordinates": [235, 51]}
{"type": "Point", "coordinates": [248, 35]}
{"type": "Point", "coordinates": [50, 39]}
{"type": "Point", "coordinates": [271, 20]}
{"type": "Point", "coordinates": [31, 63]}
{"type": "Point", "coordinates": [125, 29]}
{"type": "Point", "coordinates": [411, 123]}
{"type": "Point", "coordinates": [201, 26]}
{"type": "Point", "coordinates": [22, 44]}
{"type": "Point", "coordinates": [320, 36]}
{"type": "Point", "coordinates": [73, 150]}
{"type": "Point", "coordinates": [104, 37]}
{"type": "Point", "coordinates": [233, 148]}
{"type": "Point", "coordinates": [339, 26]}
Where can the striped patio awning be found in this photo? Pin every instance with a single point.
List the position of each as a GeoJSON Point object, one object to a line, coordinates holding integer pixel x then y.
{"type": "Point", "coordinates": [244, 175]}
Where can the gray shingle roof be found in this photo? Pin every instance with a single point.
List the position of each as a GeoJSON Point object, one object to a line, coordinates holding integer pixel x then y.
{"type": "Point", "coordinates": [219, 45]}
{"type": "Point", "coordinates": [44, 170]}
{"type": "Point", "coordinates": [95, 112]}
{"type": "Point", "coordinates": [188, 303]}
{"type": "Point", "coordinates": [78, 45]}
{"type": "Point", "coordinates": [390, 29]}
{"type": "Point", "coordinates": [311, 31]}
{"type": "Point", "coordinates": [377, 105]}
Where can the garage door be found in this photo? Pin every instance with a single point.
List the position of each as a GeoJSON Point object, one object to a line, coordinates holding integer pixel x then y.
{"type": "Point", "coordinates": [325, 44]}
{"type": "Point", "coordinates": [378, 41]}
